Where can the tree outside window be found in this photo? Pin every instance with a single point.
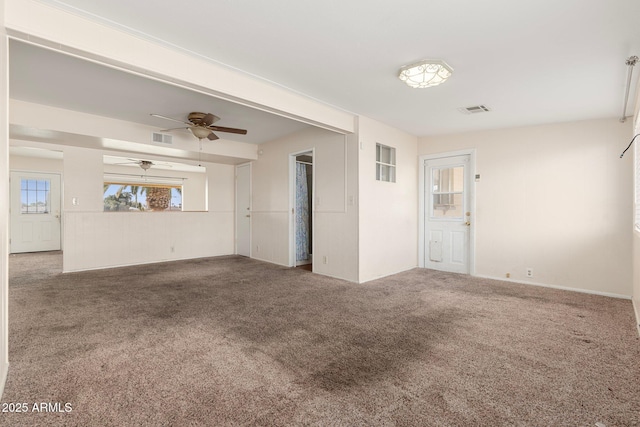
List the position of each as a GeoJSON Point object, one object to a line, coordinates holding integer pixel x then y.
{"type": "Point", "coordinates": [119, 197]}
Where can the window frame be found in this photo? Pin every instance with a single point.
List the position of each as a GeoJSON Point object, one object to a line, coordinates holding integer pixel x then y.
{"type": "Point", "coordinates": [26, 194]}
{"type": "Point", "coordinates": [124, 184]}
{"type": "Point", "coordinates": [382, 166]}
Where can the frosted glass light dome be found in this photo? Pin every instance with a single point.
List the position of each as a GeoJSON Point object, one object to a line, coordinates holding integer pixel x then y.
{"type": "Point", "coordinates": [427, 73]}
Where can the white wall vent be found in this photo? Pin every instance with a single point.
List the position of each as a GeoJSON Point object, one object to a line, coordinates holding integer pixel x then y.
{"type": "Point", "coordinates": [162, 138]}
{"type": "Point", "coordinates": [474, 109]}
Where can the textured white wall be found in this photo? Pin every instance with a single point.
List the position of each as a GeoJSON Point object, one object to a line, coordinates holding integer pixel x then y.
{"type": "Point", "coordinates": [83, 175]}
{"type": "Point", "coordinates": [388, 211]}
{"type": "Point", "coordinates": [335, 228]}
{"type": "Point", "coordinates": [25, 163]}
{"type": "Point", "coordinates": [111, 239]}
{"type": "Point", "coordinates": [555, 198]}
{"type": "Point", "coordinates": [97, 239]}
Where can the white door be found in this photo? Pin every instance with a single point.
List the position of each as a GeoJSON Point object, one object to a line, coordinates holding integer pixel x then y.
{"type": "Point", "coordinates": [243, 210]}
{"type": "Point", "coordinates": [447, 213]}
{"type": "Point", "coordinates": [35, 212]}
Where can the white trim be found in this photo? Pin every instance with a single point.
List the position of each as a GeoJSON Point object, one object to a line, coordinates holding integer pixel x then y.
{"type": "Point", "coordinates": [292, 203]}
{"type": "Point", "coordinates": [270, 261]}
{"type": "Point", "coordinates": [337, 277]}
{"type": "Point", "coordinates": [562, 288]}
{"type": "Point", "coordinates": [104, 267]}
{"type": "Point", "coordinates": [387, 274]}
{"type": "Point", "coordinates": [472, 202]}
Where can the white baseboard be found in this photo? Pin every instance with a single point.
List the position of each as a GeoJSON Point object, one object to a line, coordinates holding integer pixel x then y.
{"type": "Point", "coordinates": [563, 288]}
{"type": "Point", "coordinates": [269, 261]}
{"type": "Point", "coordinates": [105, 267]}
{"type": "Point", "coordinates": [335, 277]}
{"type": "Point", "coordinates": [4, 371]}
{"type": "Point", "coordinates": [389, 274]}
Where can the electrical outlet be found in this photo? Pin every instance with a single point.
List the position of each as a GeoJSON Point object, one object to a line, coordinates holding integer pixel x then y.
{"type": "Point", "coordinates": [508, 275]}
{"type": "Point", "coordinates": [173, 249]}
{"type": "Point", "coordinates": [325, 259]}
{"type": "Point", "coordinates": [529, 272]}
{"type": "Point", "coordinates": [257, 248]}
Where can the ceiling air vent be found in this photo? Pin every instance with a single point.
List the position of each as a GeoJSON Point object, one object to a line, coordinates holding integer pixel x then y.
{"type": "Point", "coordinates": [474, 110]}
{"type": "Point", "coordinates": [162, 138]}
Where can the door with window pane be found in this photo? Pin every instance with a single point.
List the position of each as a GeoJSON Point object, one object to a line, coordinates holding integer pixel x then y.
{"type": "Point", "coordinates": [35, 212]}
{"type": "Point", "coordinates": [447, 214]}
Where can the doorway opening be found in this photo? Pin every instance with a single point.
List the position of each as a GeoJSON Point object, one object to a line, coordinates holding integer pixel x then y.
{"type": "Point", "coordinates": [35, 223]}
{"type": "Point", "coordinates": [302, 186]}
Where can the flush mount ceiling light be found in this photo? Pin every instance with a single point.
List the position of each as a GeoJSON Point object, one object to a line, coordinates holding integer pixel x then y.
{"type": "Point", "coordinates": [427, 73]}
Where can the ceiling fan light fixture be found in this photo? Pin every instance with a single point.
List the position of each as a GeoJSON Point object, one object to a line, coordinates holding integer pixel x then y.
{"type": "Point", "coordinates": [200, 132]}
{"type": "Point", "coordinates": [427, 73]}
{"type": "Point", "coordinates": [145, 164]}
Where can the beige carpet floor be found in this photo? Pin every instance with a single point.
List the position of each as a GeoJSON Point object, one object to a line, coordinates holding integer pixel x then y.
{"type": "Point", "coordinates": [232, 341]}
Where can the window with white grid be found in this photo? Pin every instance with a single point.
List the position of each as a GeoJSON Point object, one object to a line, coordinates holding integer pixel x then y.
{"type": "Point", "coordinates": [385, 163]}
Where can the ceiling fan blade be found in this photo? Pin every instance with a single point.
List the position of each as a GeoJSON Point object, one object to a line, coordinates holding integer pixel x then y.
{"type": "Point", "coordinates": [209, 119]}
{"type": "Point", "coordinates": [170, 118]}
{"type": "Point", "coordinates": [169, 130]}
{"type": "Point", "coordinates": [212, 136]}
{"type": "Point", "coordinates": [228, 130]}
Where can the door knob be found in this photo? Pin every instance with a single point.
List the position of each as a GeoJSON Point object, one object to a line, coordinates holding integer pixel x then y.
{"type": "Point", "coordinates": [248, 216]}
{"type": "Point", "coordinates": [467, 223]}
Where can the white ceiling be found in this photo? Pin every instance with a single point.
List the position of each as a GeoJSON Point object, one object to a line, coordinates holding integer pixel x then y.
{"type": "Point", "coordinates": [530, 61]}
{"type": "Point", "coordinates": [50, 78]}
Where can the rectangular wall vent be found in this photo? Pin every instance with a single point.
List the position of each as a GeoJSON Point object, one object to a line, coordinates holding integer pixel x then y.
{"type": "Point", "coordinates": [474, 109]}
{"type": "Point", "coordinates": [162, 138]}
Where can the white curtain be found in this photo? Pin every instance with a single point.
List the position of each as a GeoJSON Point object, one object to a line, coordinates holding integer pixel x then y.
{"type": "Point", "coordinates": [302, 213]}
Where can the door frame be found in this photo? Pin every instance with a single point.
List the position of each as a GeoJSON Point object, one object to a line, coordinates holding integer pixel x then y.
{"type": "Point", "coordinates": [292, 204]}
{"type": "Point", "coordinates": [235, 218]}
{"type": "Point", "coordinates": [472, 204]}
{"type": "Point", "coordinates": [61, 201]}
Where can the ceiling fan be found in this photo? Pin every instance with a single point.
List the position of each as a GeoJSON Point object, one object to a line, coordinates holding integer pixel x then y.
{"type": "Point", "coordinates": [144, 164]}
{"type": "Point", "coordinates": [201, 125]}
